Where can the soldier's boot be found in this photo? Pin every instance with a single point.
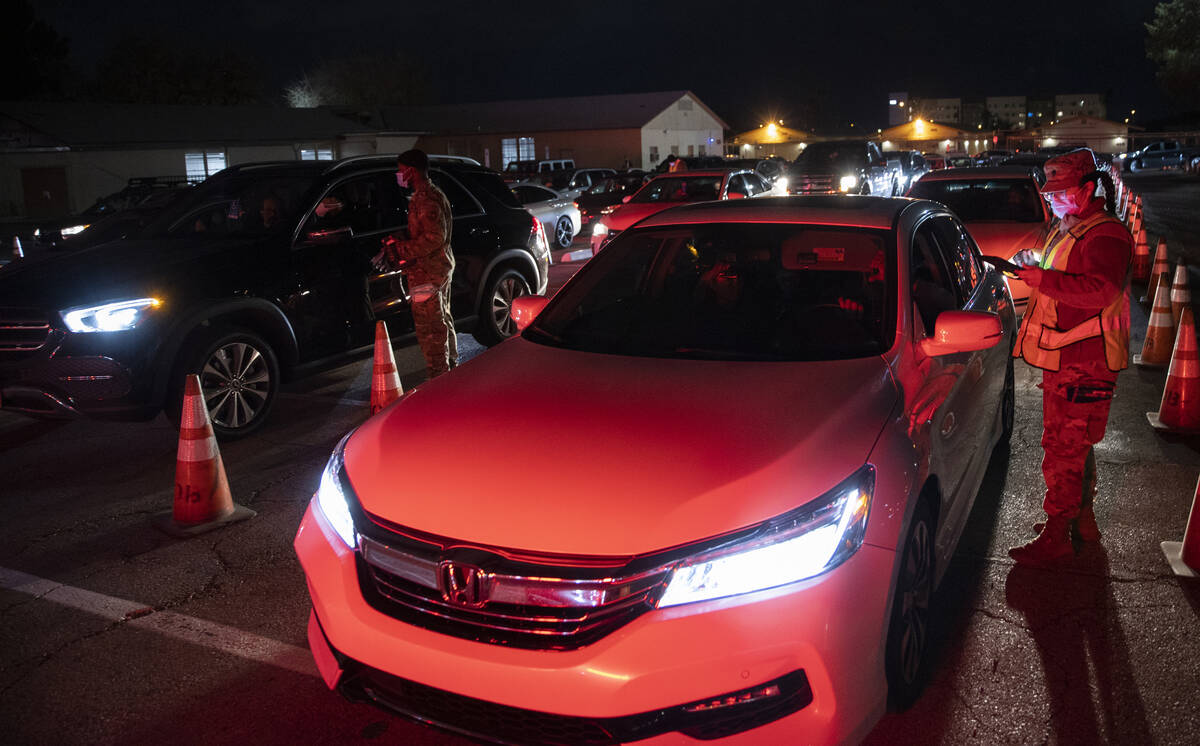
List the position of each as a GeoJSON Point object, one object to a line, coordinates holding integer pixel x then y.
{"type": "Point", "coordinates": [1051, 545]}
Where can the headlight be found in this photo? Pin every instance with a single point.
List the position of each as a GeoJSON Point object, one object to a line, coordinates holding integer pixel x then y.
{"type": "Point", "coordinates": [72, 230]}
{"type": "Point", "coordinates": [782, 183]}
{"type": "Point", "coordinates": [848, 182]}
{"type": "Point", "coordinates": [600, 229]}
{"type": "Point", "coordinates": [805, 542]}
{"type": "Point", "coordinates": [609, 210]}
{"type": "Point", "coordinates": [37, 232]}
{"type": "Point", "coordinates": [332, 499]}
{"type": "Point", "coordinates": [109, 317]}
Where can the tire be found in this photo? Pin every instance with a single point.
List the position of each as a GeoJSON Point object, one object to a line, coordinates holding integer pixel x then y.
{"type": "Point", "coordinates": [1008, 406]}
{"type": "Point", "coordinates": [1137, 166]}
{"type": "Point", "coordinates": [564, 232]}
{"type": "Point", "coordinates": [907, 654]}
{"type": "Point", "coordinates": [239, 375]}
{"type": "Point", "coordinates": [495, 308]}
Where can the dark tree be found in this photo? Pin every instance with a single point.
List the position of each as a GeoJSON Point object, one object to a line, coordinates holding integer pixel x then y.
{"type": "Point", "coordinates": [1173, 42]}
{"type": "Point", "coordinates": [365, 80]}
{"type": "Point", "coordinates": [33, 55]}
{"type": "Point", "coordinates": [150, 68]}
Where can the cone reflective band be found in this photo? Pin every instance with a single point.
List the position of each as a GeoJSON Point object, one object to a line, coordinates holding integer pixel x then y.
{"type": "Point", "coordinates": [385, 380]}
{"type": "Point", "coordinates": [1181, 295]}
{"type": "Point", "coordinates": [1141, 258]}
{"type": "Point", "coordinates": [1160, 267]}
{"type": "Point", "coordinates": [1179, 410]}
{"type": "Point", "coordinates": [1184, 557]}
{"type": "Point", "coordinates": [1160, 331]}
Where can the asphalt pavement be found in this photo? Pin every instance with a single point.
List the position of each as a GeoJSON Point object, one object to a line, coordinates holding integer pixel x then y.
{"type": "Point", "coordinates": [112, 632]}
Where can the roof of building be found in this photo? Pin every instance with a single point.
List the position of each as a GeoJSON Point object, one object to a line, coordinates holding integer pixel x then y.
{"type": "Point", "coordinates": [620, 111]}
{"type": "Point", "coordinates": [99, 125]}
{"type": "Point", "coordinates": [771, 134]}
{"type": "Point", "coordinates": [919, 129]}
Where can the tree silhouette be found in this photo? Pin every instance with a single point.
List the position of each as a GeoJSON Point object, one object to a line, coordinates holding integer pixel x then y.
{"type": "Point", "coordinates": [1173, 41]}
{"type": "Point", "coordinates": [365, 80]}
{"type": "Point", "coordinates": [149, 68]}
{"type": "Point", "coordinates": [33, 55]}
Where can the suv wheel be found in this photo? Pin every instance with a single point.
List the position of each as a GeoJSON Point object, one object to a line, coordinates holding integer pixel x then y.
{"type": "Point", "coordinates": [495, 310]}
{"type": "Point", "coordinates": [239, 376]}
{"type": "Point", "coordinates": [563, 232]}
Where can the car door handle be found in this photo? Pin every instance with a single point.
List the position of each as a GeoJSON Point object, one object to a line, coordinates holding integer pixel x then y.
{"type": "Point", "coordinates": [949, 423]}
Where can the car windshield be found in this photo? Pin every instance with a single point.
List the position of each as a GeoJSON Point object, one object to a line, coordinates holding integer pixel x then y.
{"type": "Point", "coordinates": [239, 204]}
{"type": "Point", "coordinates": [721, 291]}
{"type": "Point", "coordinates": [985, 200]}
{"type": "Point", "coordinates": [680, 189]}
{"type": "Point", "coordinates": [618, 185]}
{"type": "Point", "coordinates": [832, 154]}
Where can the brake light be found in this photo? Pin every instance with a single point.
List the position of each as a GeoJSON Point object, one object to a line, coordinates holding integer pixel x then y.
{"type": "Point", "coordinates": [537, 237]}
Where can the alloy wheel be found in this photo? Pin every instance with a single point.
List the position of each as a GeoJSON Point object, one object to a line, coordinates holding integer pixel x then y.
{"type": "Point", "coordinates": [236, 380]}
{"type": "Point", "coordinates": [916, 589]}
{"type": "Point", "coordinates": [509, 287]}
{"type": "Point", "coordinates": [562, 232]}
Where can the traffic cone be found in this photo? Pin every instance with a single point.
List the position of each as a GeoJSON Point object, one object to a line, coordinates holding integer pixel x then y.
{"type": "Point", "coordinates": [202, 499]}
{"type": "Point", "coordinates": [18, 252]}
{"type": "Point", "coordinates": [1159, 268]}
{"type": "Point", "coordinates": [1181, 296]}
{"type": "Point", "coordinates": [1184, 556]}
{"type": "Point", "coordinates": [1160, 331]}
{"type": "Point", "coordinates": [1141, 259]}
{"type": "Point", "coordinates": [1179, 411]}
{"type": "Point", "coordinates": [385, 380]}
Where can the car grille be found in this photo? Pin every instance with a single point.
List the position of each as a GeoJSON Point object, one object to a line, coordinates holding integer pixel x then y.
{"type": "Point", "coordinates": [811, 184]}
{"type": "Point", "coordinates": [23, 329]}
{"type": "Point", "coordinates": [539, 608]}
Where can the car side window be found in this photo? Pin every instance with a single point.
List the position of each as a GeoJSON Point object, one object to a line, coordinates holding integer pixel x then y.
{"type": "Point", "coordinates": [461, 201]}
{"type": "Point", "coordinates": [364, 204]}
{"type": "Point", "coordinates": [933, 289]}
{"type": "Point", "coordinates": [959, 256]}
{"type": "Point", "coordinates": [756, 184]}
{"type": "Point", "coordinates": [737, 185]}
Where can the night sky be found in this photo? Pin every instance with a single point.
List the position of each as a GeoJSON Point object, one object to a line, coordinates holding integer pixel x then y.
{"type": "Point", "coordinates": [832, 62]}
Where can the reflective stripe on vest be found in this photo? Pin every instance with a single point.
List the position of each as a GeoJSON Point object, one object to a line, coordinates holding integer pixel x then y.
{"type": "Point", "coordinates": [1039, 339]}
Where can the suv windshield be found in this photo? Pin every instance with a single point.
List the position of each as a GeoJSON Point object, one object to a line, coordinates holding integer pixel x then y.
{"type": "Point", "coordinates": [832, 154]}
{"type": "Point", "coordinates": [680, 189]}
{"type": "Point", "coordinates": [240, 203]}
{"type": "Point", "coordinates": [985, 200]}
{"type": "Point", "coordinates": [723, 291]}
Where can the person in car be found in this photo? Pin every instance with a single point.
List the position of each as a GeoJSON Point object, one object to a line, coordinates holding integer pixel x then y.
{"type": "Point", "coordinates": [428, 262]}
{"type": "Point", "coordinates": [270, 212]}
{"type": "Point", "coordinates": [1076, 329]}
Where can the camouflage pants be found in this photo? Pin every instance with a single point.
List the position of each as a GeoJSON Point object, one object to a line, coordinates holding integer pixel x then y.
{"type": "Point", "coordinates": [1069, 430]}
{"type": "Point", "coordinates": [434, 326]}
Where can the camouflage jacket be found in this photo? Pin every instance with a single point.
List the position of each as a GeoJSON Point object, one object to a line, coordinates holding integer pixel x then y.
{"type": "Point", "coordinates": [426, 247]}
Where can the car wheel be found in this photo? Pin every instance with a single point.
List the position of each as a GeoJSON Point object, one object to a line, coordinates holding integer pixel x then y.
{"type": "Point", "coordinates": [239, 375]}
{"type": "Point", "coordinates": [563, 232]}
{"type": "Point", "coordinates": [1136, 166]}
{"type": "Point", "coordinates": [495, 310]}
{"type": "Point", "coordinates": [908, 631]}
{"type": "Point", "coordinates": [1008, 405]}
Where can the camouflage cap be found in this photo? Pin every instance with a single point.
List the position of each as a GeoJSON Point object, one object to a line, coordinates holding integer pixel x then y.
{"type": "Point", "coordinates": [1067, 170]}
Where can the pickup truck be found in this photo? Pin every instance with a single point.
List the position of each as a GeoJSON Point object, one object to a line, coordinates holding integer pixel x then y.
{"type": "Point", "coordinates": [1161, 154]}
{"type": "Point", "coordinates": [845, 167]}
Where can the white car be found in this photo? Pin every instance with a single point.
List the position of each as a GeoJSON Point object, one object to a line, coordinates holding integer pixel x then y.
{"type": "Point", "coordinates": [558, 214]}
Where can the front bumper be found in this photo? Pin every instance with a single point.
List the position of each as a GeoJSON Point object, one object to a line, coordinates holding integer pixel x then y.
{"type": "Point", "coordinates": [829, 628]}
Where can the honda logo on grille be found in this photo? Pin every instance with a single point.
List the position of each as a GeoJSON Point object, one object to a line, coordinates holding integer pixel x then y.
{"type": "Point", "coordinates": [461, 585]}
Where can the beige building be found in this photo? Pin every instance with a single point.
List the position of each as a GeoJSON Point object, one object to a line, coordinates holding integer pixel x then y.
{"type": "Point", "coordinates": [1101, 135]}
{"type": "Point", "coordinates": [930, 137]}
{"type": "Point", "coordinates": [771, 139]}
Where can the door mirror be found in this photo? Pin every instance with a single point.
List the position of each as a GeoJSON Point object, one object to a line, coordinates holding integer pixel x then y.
{"type": "Point", "coordinates": [962, 331]}
{"type": "Point", "coordinates": [525, 309]}
{"type": "Point", "coordinates": [329, 235]}
{"type": "Point", "coordinates": [626, 198]}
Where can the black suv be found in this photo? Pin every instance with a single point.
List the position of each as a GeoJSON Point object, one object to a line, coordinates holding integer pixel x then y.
{"type": "Point", "coordinates": [260, 269]}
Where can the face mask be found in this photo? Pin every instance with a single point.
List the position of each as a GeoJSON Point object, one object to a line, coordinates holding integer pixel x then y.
{"type": "Point", "coordinates": [403, 182]}
{"type": "Point", "coordinates": [1070, 201]}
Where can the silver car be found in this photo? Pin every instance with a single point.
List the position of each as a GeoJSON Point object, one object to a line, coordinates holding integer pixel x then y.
{"type": "Point", "coordinates": [558, 214]}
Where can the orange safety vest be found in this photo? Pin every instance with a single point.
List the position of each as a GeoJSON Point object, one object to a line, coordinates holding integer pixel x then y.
{"type": "Point", "coordinates": [1040, 341]}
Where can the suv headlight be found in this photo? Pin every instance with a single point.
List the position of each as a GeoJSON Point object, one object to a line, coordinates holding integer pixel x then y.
{"type": "Point", "coordinates": [848, 182]}
{"type": "Point", "coordinates": [108, 317]}
{"type": "Point", "coordinates": [799, 544]}
{"type": "Point", "coordinates": [333, 496]}
{"type": "Point", "coordinates": [75, 229]}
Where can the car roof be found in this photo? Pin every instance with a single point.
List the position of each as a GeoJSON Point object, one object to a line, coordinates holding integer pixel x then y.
{"type": "Point", "coordinates": [701, 172]}
{"type": "Point", "coordinates": [984, 172]}
{"type": "Point", "coordinates": [856, 211]}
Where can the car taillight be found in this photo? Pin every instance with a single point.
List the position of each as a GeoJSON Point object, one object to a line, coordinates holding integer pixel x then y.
{"type": "Point", "coordinates": [537, 238]}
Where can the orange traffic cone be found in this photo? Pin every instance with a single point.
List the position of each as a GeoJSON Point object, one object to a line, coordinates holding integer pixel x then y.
{"type": "Point", "coordinates": [1160, 331]}
{"type": "Point", "coordinates": [1131, 214]}
{"type": "Point", "coordinates": [1181, 295]}
{"type": "Point", "coordinates": [385, 380]}
{"type": "Point", "coordinates": [202, 499]}
{"type": "Point", "coordinates": [1179, 411]}
{"type": "Point", "coordinates": [1141, 259]}
{"type": "Point", "coordinates": [1160, 266]}
{"type": "Point", "coordinates": [1184, 556]}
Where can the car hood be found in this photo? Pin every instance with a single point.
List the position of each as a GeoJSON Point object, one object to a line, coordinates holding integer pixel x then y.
{"type": "Point", "coordinates": [631, 212]}
{"type": "Point", "coordinates": [540, 449]}
{"type": "Point", "coordinates": [1006, 239]}
{"type": "Point", "coordinates": [112, 270]}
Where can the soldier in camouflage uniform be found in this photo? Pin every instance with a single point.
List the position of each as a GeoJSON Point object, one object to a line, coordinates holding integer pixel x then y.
{"type": "Point", "coordinates": [1076, 329]}
{"type": "Point", "coordinates": [428, 262]}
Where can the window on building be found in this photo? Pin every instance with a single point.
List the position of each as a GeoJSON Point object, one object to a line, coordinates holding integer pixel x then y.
{"type": "Point", "coordinates": [316, 153]}
{"type": "Point", "coordinates": [675, 150]}
{"type": "Point", "coordinates": [516, 149]}
{"type": "Point", "coordinates": [691, 150]}
{"type": "Point", "coordinates": [200, 166]}
{"type": "Point", "coordinates": [654, 154]}
{"type": "Point", "coordinates": [702, 153]}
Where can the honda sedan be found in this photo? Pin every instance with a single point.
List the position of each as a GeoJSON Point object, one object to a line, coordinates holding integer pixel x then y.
{"type": "Point", "coordinates": [788, 405]}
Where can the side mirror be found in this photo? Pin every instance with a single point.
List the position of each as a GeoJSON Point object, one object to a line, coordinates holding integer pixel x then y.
{"type": "Point", "coordinates": [329, 235]}
{"type": "Point", "coordinates": [525, 309]}
{"type": "Point", "coordinates": [626, 198]}
{"type": "Point", "coordinates": [962, 331]}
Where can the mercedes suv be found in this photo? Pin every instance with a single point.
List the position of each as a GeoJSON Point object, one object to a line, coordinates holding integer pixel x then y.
{"type": "Point", "coordinates": [264, 267]}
